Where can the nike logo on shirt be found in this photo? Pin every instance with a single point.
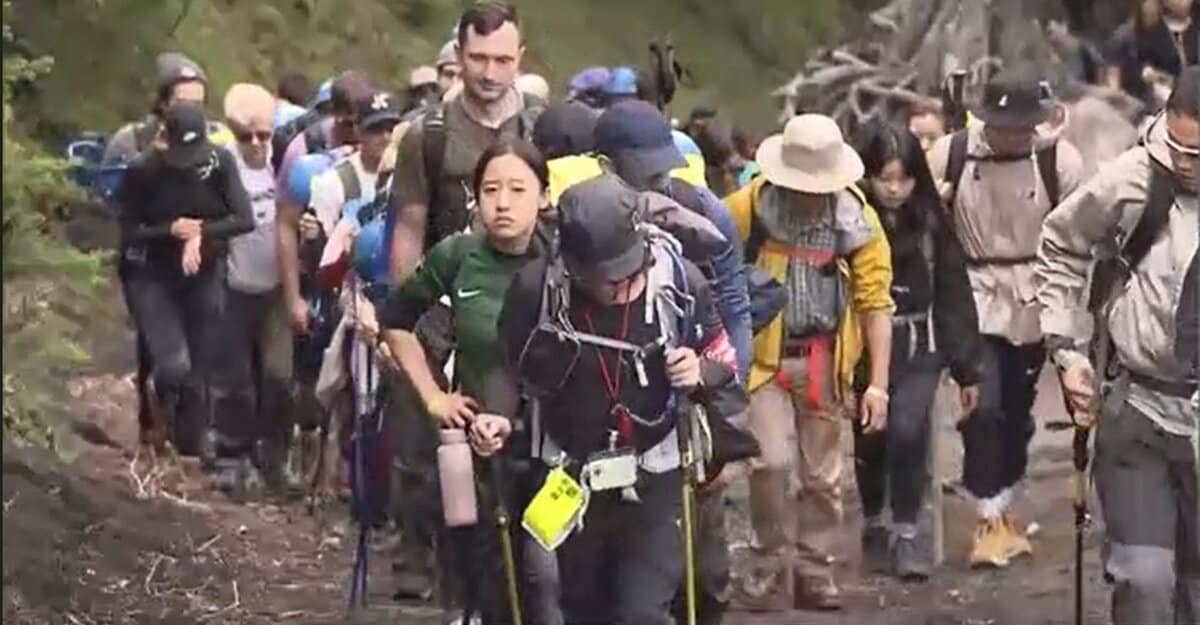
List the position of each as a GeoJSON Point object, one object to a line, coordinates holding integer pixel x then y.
{"type": "Point", "coordinates": [464, 294]}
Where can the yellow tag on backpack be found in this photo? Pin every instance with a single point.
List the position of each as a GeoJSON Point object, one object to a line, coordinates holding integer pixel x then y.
{"type": "Point", "coordinates": [556, 510]}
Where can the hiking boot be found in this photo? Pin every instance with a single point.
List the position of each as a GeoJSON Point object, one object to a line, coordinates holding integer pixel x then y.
{"type": "Point", "coordinates": [875, 549]}
{"type": "Point", "coordinates": [767, 587]}
{"type": "Point", "coordinates": [816, 594]}
{"type": "Point", "coordinates": [413, 585]}
{"type": "Point", "coordinates": [270, 459]}
{"type": "Point", "coordinates": [990, 548]}
{"type": "Point", "coordinates": [1016, 542]}
{"type": "Point", "coordinates": [908, 561]}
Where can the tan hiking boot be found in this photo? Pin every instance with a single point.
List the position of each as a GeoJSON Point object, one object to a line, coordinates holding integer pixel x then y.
{"type": "Point", "coordinates": [990, 548]}
{"type": "Point", "coordinates": [1016, 542]}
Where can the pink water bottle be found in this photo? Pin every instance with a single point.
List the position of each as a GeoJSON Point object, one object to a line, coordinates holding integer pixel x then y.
{"type": "Point", "coordinates": [456, 472]}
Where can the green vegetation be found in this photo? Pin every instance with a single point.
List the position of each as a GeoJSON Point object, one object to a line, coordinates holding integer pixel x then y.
{"type": "Point", "coordinates": [48, 285]}
{"type": "Point", "coordinates": [738, 52]}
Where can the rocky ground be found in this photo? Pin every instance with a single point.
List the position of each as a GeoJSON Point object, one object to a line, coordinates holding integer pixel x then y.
{"type": "Point", "coordinates": [96, 542]}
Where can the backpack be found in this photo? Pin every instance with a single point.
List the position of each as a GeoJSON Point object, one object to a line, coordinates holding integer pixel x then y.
{"type": "Point", "coordinates": [306, 123]}
{"type": "Point", "coordinates": [433, 154]}
{"type": "Point", "coordinates": [1047, 164]}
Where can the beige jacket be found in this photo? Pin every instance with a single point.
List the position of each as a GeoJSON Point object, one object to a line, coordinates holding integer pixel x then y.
{"type": "Point", "coordinates": [998, 214]}
{"type": "Point", "coordinates": [1141, 320]}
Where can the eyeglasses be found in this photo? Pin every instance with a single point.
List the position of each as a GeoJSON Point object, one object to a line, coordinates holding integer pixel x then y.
{"type": "Point", "coordinates": [248, 136]}
{"type": "Point", "coordinates": [1182, 149]}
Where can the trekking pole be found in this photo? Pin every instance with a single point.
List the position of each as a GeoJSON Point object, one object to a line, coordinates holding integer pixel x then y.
{"type": "Point", "coordinates": [1079, 484]}
{"type": "Point", "coordinates": [503, 523]}
{"type": "Point", "coordinates": [691, 472]}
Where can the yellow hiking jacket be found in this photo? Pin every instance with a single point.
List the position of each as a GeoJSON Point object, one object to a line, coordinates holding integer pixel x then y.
{"type": "Point", "coordinates": [868, 271]}
{"type": "Point", "coordinates": [569, 171]}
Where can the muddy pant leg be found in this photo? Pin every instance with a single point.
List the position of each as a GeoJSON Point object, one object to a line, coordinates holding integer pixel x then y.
{"type": "Point", "coordinates": [819, 465]}
{"type": "Point", "coordinates": [204, 300]}
{"type": "Point", "coordinates": [772, 420]}
{"type": "Point", "coordinates": [982, 430]}
{"type": "Point", "coordinates": [1020, 368]}
{"type": "Point", "coordinates": [1138, 498]}
{"type": "Point", "coordinates": [908, 435]}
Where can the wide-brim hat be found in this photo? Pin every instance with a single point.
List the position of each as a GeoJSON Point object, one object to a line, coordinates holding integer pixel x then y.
{"type": "Point", "coordinates": [1013, 103]}
{"type": "Point", "coordinates": [810, 156]}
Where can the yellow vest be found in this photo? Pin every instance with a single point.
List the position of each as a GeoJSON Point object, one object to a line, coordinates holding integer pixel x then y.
{"type": "Point", "coordinates": [871, 292]}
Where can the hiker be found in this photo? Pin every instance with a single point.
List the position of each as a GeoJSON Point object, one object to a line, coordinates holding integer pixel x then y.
{"type": "Point", "coordinates": [588, 87]}
{"type": "Point", "coordinates": [178, 206]}
{"type": "Point", "coordinates": [1000, 180]}
{"type": "Point", "coordinates": [533, 85]}
{"type": "Point", "coordinates": [253, 367]}
{"type": "Point", "coordinates": [291, 97]}
{"type": "Point", "coordinates": [1146, 54]}
{"type": "Point", "coordinates": [334, 131]}
{"type": "Point", "coordinates": [635, 139]}
{"type": "Point", "coordinates": [926, 122]}
{"type": "Point", "coordinates": [423, 89]}
{"type": "Point", "coordinates": [474, 271]}
{"type": "Point", "coordinates": [357, 176]}
{"type": "Point", "coordinates": [565, 134]}
{"type": "Point", "coordinates": [430, 198]}
{"type": "Point", "coordinates": [1145, 462]}
{"type": "Point", "coordinates": [179, 79]}
{"type": "Point", "coordinates": [805, 224]}
{"type": "Point", "coordinates": [611, 286]}
{"type": "Point", "coordinates": [934, 325]}
{"type": "Point", "coordinates": [745, 169]}
{"type": "Point", "coordinates": [448, 67]}
{"type": "Point", "coordinates": [622, 85]}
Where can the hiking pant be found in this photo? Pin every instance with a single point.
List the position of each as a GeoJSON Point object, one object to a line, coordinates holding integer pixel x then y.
{"type": "Point", "coordinates": [1147, 485]}
{"type": "Point", "coordinates": [996, 436]}
{"type": "Point", "coordinates": [801, 399]}
{"type": "Point", "coordinates": [251, 383]}
{"type": "Point", "coordinates": [177, 317]}
{"type": "Point", "coordinates": [891, 465]}
{"type": "Point", "coordinates": [713, 579]}
{"type": "Point", "coordinates": [626, 563]}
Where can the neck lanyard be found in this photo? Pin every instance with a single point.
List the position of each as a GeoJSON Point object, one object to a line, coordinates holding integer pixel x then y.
{"type": "Point", "coordinates": [612, 380]}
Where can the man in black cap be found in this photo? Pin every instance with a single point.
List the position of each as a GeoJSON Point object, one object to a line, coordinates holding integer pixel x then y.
{"type": "Point", "coordinates": [1001, 180]}
{"type": "Point", "coordinates": [634, 362]}
{"type": "Point", "coordinates": [178, 205]}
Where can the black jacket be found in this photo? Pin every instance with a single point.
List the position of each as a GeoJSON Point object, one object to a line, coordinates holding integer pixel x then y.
{"type": "Point", "coordinates": [923, 242]}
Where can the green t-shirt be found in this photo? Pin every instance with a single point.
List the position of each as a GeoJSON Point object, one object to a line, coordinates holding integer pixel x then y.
{"type": "Point", "coordinates": [467, 269]}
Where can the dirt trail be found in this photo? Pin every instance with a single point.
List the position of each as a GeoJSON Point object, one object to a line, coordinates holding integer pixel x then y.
{"type": "Point", "coordinates": [81, 547]}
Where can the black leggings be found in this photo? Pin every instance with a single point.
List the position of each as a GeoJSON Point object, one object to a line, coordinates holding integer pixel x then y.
{"type": "Point", "coordinates": [176, 317]}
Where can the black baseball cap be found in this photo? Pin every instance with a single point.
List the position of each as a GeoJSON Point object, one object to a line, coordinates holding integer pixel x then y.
{"type": "Point", "coordinates": [565, 129]}
{"type": "Point", "coordinates": [637, 138]}
{"type": "Point", "coordinates": [598, 230]}
{"type": "Point", "coordinates": [376, 108]}
{"type": "Point", "coordinates": [186, 129]}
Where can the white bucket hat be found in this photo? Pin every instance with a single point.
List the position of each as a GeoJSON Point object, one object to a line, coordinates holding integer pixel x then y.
{"type": "Point", "coordinates": [810, 156]}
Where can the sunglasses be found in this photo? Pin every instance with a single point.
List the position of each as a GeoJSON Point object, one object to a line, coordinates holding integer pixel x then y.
{"type": "Point", "coordinates": [248, 136]}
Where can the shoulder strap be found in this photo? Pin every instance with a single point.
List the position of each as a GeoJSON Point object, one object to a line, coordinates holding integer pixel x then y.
{"type": "Point", "coordinates": [351, 187]}
{"type": "Point", "coordinates": [1047, 164]}
{"type": "Point", "coordinates": [528, 117]}
{"type": "Point", "coordinates": [433, 150]}
{"type": "Point", "coordinates": [314, 139]}
{"type": "Point", "coordinates": [1154, 217]}
{"type": "Point", "coordinates": [144, 133]}
{"type": "Point", "coordinates": [754, 242]}
{"type": "Point", "coordinates": [956, 162]}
